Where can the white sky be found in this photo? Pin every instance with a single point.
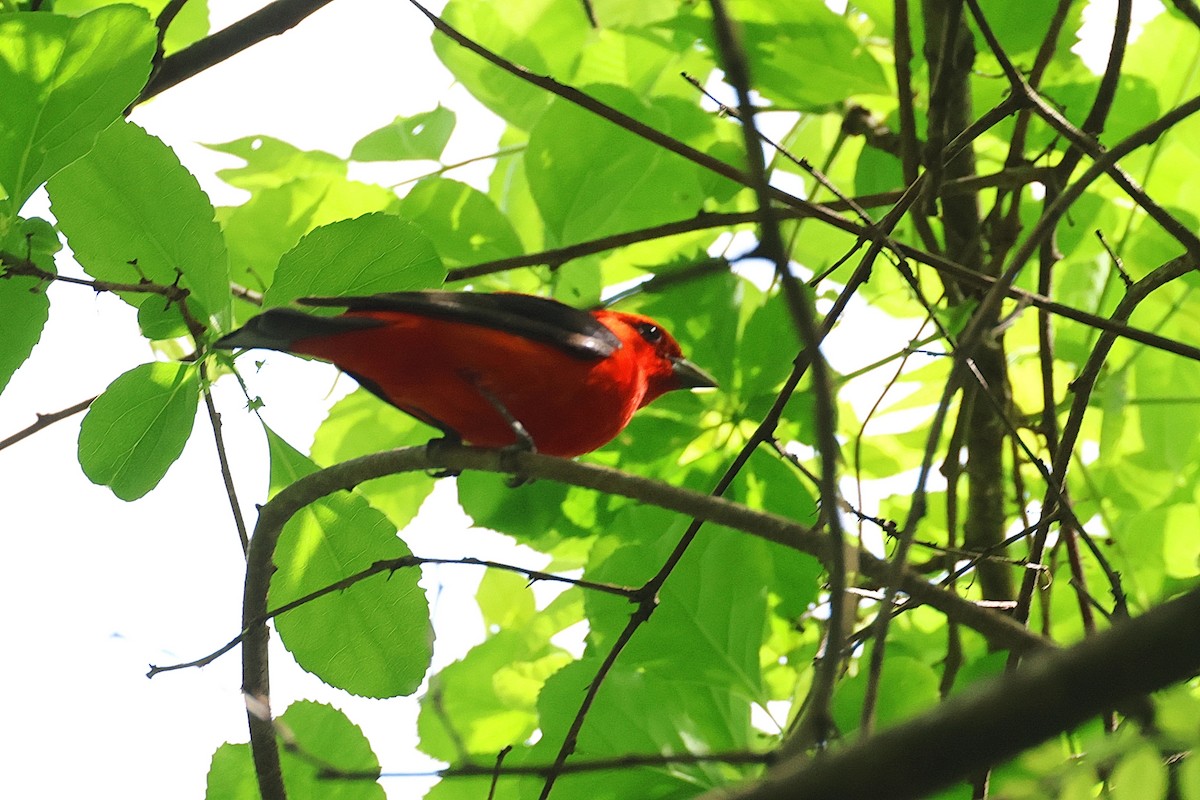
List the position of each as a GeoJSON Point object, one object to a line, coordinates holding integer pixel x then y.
{"type": "Point", "coordinates": [95, 588]}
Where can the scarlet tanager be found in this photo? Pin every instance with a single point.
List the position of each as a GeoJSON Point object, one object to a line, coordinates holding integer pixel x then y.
{"type": "Point", "coordinates": [485, 367]}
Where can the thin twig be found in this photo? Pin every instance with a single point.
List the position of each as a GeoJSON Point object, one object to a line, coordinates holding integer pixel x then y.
{"type": "Point", "coordinates": [214, 417]}
{"type": "Point", "coordinates": [45, 421]}
{"type": "Point", "coordinates": [389, 566]}
{"type": "Point", "coordinates": [575, 767]}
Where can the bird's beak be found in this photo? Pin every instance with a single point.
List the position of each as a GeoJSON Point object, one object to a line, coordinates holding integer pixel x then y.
{"type": "Point", "coordinates": [689, 376]}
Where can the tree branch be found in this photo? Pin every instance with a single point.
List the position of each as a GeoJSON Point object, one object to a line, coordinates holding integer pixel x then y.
{"type": "Point", "coordinates": [274, 19]}
{"type": "Point", "coordinates": [45, 421]}
{"type": "Point", "coordinates": [998, 629]}
{"type": "Point", "coordinates": [984, 726]}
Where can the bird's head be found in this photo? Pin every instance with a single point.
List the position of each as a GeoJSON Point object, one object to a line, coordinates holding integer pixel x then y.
{"type": "Point", "coordinates": [658, 354]}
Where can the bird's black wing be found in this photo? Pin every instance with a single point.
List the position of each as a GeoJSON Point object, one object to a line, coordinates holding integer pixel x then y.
{"type": "Point", "coordinates": [538, 318]}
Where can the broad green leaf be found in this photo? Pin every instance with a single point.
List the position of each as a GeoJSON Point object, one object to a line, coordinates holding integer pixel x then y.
{"type": "Point", "coordinates": [1020, 27]}
{"type": "Point", "coordinates": [814, 63]}
{"type": "Point", "coordinates": [320, 732]}
{"type": "Point", "coordinates": [373, 639]}
{"type": "Point", "coordinates": [275, 218]}
{"type": "Point", "coordinates": [505, 600]}
{"type": "Point", "coordinates": [533, 513]}
{"type": "Point", "coordinates": [131, 211]}
{"type": "Point", "coordinates": [906, 688]}
{"type": "Point", "coordinates": [463, 223]}
{"type": "Point", "coordinates": [24, 306]}
{"type": "Point", "coordinates": [488, 700]}
{"type": "Point", "coordinates": [1170, 416]}
{"type": "Point", "coordinates": [766, 348]}
{"type": "Point", "coordinates": [647, 712]}
{"type": "Point", "coordinates": [370, 254]}
{"type": "Point", "coordinates": [188, 26]}
{"type": "Point", "coordinates": [1167, 38]}
{"type": "Point", "coordinates": [508, 187]}
{"type": "Point", "coordinates": [1140, 775]}
{"type": "Point", "coordinates": [137, 428]}
{"type": "Point", "coordinates": [231, 774]}
{"type": "Point", "coordinates": [708, 618]}
{"type": "Point", "coordinates": [361, 423]}
{"type": "Point", "coordinates": [63, 82]}
{"type": "Point", "coordinates": [272, 163]}
{"type": "Point", "coordinates": [591, 178]}
{"type": "Point", "coordinates": [1181, 541]}
{"type": "Point", "coordinates": [1137, 98]}
{"type": "Point", "coordinates": [619, 13]}
{"type": "Point", "coordinates": [646, 61]}
{"type": "Point", "coordinates": [544, 36]}
{"type": "Point", "coordinates": [421, 136]}
{"type": "Point", "coordinates": [801, 55]}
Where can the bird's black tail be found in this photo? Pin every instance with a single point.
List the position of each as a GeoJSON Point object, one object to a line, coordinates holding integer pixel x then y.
{"type": "Point", "coordinates": [279, 328]}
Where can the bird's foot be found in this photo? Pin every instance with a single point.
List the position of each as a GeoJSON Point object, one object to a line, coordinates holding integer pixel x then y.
{"type": "Point", "coordinates": [510, 456]}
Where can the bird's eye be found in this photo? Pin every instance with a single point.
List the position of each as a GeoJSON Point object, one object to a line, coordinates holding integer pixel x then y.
{"type": "Point", "coordinates": [651, 333]}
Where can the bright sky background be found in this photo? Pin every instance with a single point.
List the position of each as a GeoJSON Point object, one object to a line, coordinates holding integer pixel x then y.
{"type": "Point", "coordinates": [95, 589]}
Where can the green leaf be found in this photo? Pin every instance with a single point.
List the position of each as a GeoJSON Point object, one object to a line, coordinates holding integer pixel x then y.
{"type": "Point", "coordinates": [361, 423]}
{"type": "Point", "coordinates": [643, 712]}
{"type": "Point", "coordinates": [464, 223]}
{"type": "Point", "coordinates": [271, 163]}
{"type": "Point", "coordinates": [1170, 420]}
{"type": "Point", "coordinates": [63, 82]}
{"type": "Point", "coordinates": [906, 688]}
{"type": "Point", "coordinates": [488, 700]}
{"type": "Point", "coordinates": [137, 428]}
{"type": "Point", "coordinates": [508, 186]}
{"type": "Point", "coordinates": [544, 36]}
{"type": "Point", "coordinates": [1140, 775]}
{"type": "Point", "coordinates": [372, 639]}
{"type": "Point", "coordinates": [421, 136]}
{"type": "Point", "coordinates": [801, 55]}
{"type": "Point", "coordinates": [188, 26]}
{"type": "Point", "coordinates": [275, 218]}
{"type": "Point", "coordinates": [617, 13]}
{"type": "Point", "coordinates": [591, 178]}
{"type": "Point", "coordinates": [709, 617]}
{"type": "Point", "coordinates": [131, 211]}
{"type": "Point", "coordinates": [646, 60]}
{"type": "Point", "coordinates": [505, 600]}
{"type": "Point", "coordinates": [24, 306]}
{"type": "Point", "coordinates": [370, 254]}
{"type": "Point", "coordinates": [1018, 26]}
{"type": "Point", "coordinates": [322, 733]}
{"type": "Point", "coordinates": [532, 513]}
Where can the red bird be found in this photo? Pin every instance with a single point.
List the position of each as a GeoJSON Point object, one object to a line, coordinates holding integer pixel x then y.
{"type": "Point", "coordinates": [491, 369]}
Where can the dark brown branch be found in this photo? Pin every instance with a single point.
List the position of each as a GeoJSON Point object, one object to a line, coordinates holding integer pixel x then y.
{"type": "Point", "coordinates": [998, 629]}
{"type": "Point", "coordinates": [1189, 9]}
{"type": "Point", "coordinates": [173, 293]}
{"type": "Point", "coordinates": [276, 18]}
{"type": "Point", "coordinates": [982, 727]}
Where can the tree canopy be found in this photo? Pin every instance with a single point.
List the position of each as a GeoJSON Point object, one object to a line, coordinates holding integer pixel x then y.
{"type": "Point", "coordinates": [936, 535]}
